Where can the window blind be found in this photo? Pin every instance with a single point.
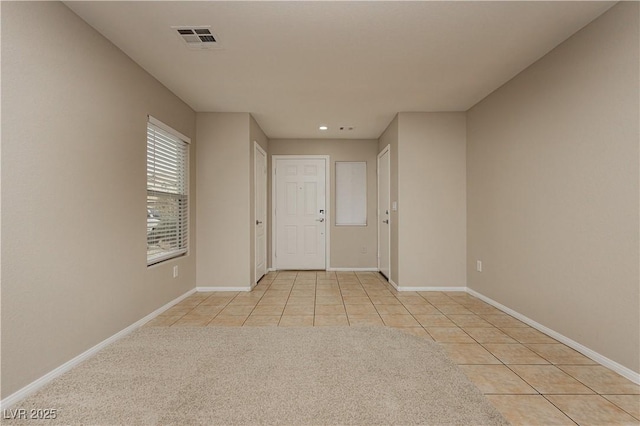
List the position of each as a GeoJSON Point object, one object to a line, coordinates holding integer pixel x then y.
{"type": "Point", "coordinates": [167, 194]}
{"type": "Point", "coordinates": [351, 193]}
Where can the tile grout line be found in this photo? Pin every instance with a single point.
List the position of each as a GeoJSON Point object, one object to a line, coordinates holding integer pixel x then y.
{"type": "Point", "coordinates": [559, 409]}
{"type": "Point", "coordinates": [218, 314]}
{"type": "Point", "coordinates": [342, 298]}
{"type": "Point", "coordinates": [287, 301]}
{"type": "Point", "coordinates": [256, 305]}
{"type": "Point", "coordinates": [201, 302]}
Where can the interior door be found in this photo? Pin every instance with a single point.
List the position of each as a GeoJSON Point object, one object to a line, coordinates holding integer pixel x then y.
{"type": "Point", "coordinates": [384, 204]}
{"type": "Point", "coordinates": [260, 177]}
{"type": "Point", "coordinates": [300, 213]}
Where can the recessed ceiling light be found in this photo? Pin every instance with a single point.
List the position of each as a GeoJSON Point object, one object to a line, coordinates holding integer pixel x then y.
{"type": "Point", "coordinates": [323, 128]}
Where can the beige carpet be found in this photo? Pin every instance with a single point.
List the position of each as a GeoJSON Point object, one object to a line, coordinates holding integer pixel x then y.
{"type": "Point", "coordinates": [269, 375]}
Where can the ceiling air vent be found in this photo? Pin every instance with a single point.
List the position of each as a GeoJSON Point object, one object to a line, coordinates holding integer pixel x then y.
{"type": "Point", "coordinates": [197, 37]}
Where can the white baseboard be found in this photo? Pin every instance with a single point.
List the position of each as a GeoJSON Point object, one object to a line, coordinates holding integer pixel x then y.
{"type": "Point", "coordinates": [431, 288]}
{"type": "Point", "coordinates": [335, 269]}
{"type": "Point", "coordinates": [37, 384]}
{"type": "Point", "coordinates": [600, 359]}
{"type": "Point", "coordinates": [401, 288]}
{"type": "Point", "coordinates": [352, 269]}
{"type": "Point", "coordinates": [208, 289]}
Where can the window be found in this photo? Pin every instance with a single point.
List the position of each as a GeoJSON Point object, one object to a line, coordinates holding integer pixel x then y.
{"type": "Point", "coordinates": [351, 193]}
{"type": "Point", "coordinates": [167, 192]}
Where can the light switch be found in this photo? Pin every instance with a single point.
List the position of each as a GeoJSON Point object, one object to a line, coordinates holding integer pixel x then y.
{"type": "Point", "coordinates": [394, 206]}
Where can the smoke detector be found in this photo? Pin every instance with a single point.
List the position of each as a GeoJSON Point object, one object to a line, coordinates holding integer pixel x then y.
{"type": "Point", "coordinates": [197, 37]}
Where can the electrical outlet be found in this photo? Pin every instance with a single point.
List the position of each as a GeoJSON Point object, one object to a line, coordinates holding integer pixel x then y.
{"type": "Point", "coordinates": [363, 250]}
{"type": "Point", "coordinates": [479, 265]}
{"type": "Point", "coordinates": [175, 271]}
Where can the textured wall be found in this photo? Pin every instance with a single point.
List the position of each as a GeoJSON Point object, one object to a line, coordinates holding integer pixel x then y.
{"type": "Point", "coordinates": [432, 187]}
{"type": "Point", "coordinates": [223, 196]}
{"type": "Point", "coordinates": [74, 190]}
{"type": "Point", "coordinates": [553, 189]}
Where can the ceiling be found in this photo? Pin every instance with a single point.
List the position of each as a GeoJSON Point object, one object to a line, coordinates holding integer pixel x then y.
{"type": "Point", "coordinates": [297, 65]}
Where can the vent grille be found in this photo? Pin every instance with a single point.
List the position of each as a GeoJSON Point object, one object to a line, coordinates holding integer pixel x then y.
{"type": "Point", "coordinates": [197, 37]}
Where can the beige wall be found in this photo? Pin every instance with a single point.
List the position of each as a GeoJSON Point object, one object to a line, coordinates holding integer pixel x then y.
{"type": "Point", "coordinates": [390, 137]}
{"type": "Point", "coordinates": [432, 188]}
{"type": "Point", "coordinates": [74, 173]}
{"type": "Point", "coordinates": [346, 242]}
{"type": "Point", "coordinates": [226, 194]}
{"type": "Point", "coordinates": [255, 135]}
{"type": "Point", "coordinates": [224, 213]}
{"type": "Point", "coordinates": [553, 199]}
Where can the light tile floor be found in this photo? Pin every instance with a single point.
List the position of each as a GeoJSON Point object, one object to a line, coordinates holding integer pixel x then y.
{"type": "Point", "coordinates": [528, 376]}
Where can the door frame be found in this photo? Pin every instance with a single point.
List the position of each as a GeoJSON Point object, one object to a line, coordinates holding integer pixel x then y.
{"type": "Point", "coordinates": [257, 147]}
{"type": "Point", "coordinates": [327, 205]}
{"type": "Point", "coordinates": [385, 150]}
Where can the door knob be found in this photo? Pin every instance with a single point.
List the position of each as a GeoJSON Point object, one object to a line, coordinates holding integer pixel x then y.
{"type": "Point", "coordinates": [320, 220]}
{"type": "Point", "coordinates": [386, 221]}
{"type": "Point", "coordinates": [258, 222]}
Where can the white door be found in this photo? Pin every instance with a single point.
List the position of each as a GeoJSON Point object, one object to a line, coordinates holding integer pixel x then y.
{"type": "Point", "coordinates": [384, 227]}
{"type": "Point", "coordinates": [260, 177]}
{"type": "Point", "coordinates": [300, 213]}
